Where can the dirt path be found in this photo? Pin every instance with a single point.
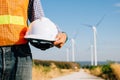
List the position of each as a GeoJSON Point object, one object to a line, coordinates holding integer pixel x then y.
{"type": "Point", "coordinates": [81, 75]}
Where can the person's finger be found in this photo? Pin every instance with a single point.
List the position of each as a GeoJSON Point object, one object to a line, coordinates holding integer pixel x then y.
{"type": "Point", "coordinates": [60, 40]}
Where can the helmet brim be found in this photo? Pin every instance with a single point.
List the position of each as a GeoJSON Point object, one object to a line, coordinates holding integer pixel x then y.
{"type": "Point", "coordinates": [40, 37]}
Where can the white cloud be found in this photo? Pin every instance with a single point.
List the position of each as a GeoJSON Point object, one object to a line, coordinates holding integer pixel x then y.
{"type": "Point", "coordinates": [117, 4]}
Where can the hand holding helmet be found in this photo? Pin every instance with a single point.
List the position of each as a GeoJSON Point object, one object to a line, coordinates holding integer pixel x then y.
{"type": "Point", "coordinates": [42, 33]}
{"type": "Point", "coordinates": [61, 38]}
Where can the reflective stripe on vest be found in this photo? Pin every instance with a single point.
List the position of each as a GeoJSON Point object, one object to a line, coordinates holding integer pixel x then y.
{"type": "Point", "coordinates": [9, 19]}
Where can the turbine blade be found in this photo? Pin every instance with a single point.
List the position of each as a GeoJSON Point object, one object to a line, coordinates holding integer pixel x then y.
{"type": "Point", "coordinates": [100, 20]}
{"type": "Point", "coordinates": [87, 25]}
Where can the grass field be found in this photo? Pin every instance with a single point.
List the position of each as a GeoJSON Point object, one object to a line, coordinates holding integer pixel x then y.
{"type": "Point", "coordinates": [45, 70]}
{"type": "Point", "coordinates": [109, 71]}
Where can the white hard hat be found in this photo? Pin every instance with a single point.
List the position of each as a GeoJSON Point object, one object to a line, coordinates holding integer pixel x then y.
{"type": "Point", "coordinates": [42, 29]}
{"type": "Point", "coordinates": [42, 33]}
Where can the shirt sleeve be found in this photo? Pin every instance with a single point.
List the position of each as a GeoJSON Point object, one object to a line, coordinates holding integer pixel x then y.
{"type": "Point", "coordinates": [35, 10]}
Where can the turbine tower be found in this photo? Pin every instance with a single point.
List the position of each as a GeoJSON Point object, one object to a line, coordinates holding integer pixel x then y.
{"type": "Point", "coordinates": [95, 45]}
{"type": "Point", "coordinates": [73, 49]}
{"type": "Point", "coordinates": [92, 58]}
{"type": "Point", "coordinates": [94, 39]}
{"type": "Point", "coordinates": [67, 53]}
{"type": "Point", "coordinates": [73, 44]}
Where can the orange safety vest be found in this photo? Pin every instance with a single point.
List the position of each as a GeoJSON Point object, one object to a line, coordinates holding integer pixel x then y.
{"type": "Point", "coordinates": [13, 22]}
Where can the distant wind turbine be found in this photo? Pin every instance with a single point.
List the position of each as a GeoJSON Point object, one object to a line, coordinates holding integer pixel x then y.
{"type": "Point", "coordinates": [94, 38]}
{"type": "Point", "coordinates": [73, 45]}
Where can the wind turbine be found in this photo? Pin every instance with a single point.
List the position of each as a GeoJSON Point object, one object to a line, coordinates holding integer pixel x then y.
{"type": "Point", "coordinates": [73, 45]}
{"type": "Point", "coordinates": [94, 38]}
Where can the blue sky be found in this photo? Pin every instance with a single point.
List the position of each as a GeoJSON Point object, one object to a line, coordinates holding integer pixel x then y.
{"type": "Point", "coordinates": [70, 14]}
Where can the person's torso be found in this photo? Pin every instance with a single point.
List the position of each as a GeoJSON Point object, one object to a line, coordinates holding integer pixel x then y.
{"type": "Point", "coordinates": [13, 21]}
